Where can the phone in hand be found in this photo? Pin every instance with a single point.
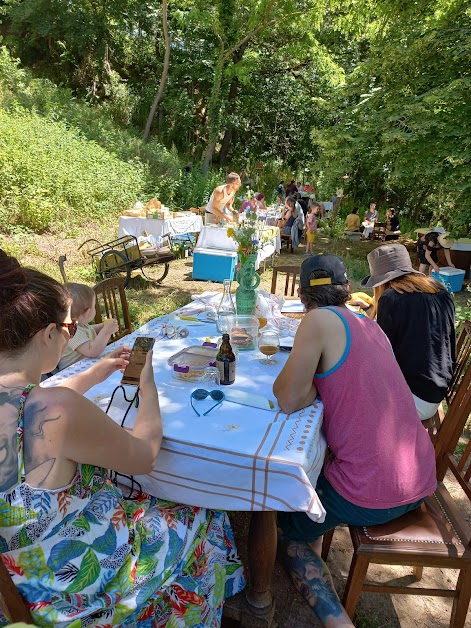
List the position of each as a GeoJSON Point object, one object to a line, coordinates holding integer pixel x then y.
{"type": "Point", "coordinates": [137, 359]}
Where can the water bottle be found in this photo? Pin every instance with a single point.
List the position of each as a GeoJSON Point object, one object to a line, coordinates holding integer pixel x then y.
{"type": "Point", "coordinates": [226, 308]}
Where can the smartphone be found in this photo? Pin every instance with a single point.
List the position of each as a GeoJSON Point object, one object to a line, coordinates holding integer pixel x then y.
{"type": "Point", "coordinates": [285, 348]}
{"type": "Point", "coordinates": [137, 359]}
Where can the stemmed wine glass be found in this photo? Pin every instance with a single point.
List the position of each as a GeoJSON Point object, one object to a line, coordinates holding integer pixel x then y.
{"type": "Point", "coordinates": [269, 344]}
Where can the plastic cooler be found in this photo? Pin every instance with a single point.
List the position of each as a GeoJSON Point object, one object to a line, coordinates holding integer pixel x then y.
{"type": "Point", "coordinates": [451, 278]}
{"type": "Point", "coordinates": [213, 264]}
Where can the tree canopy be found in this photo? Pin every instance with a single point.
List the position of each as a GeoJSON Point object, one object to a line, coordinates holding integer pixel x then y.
{"type": "Point", "coordinates": [373, 94]}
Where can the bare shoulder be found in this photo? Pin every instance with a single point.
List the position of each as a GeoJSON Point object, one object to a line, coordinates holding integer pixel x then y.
{"type": "Point", "coordinates": [322, 321]}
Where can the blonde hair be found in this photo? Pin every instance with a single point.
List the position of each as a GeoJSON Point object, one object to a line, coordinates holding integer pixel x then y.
{"type": "Point", "coordinates": [82, 298]}
{"type": "Point", "coordinates": [232, 177]}
{"type": "Point", "coordinates": [407, 283]}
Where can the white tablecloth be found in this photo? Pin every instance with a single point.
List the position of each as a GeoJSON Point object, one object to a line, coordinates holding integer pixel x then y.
{"type": "Point", "coordinates": [237, 457]}
{"type": "Point", "coordinates": [174, 226]}
{"type": "Point", "coordinates": [216, 238]}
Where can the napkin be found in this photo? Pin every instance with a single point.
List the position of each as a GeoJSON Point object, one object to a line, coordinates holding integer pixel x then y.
{"type": "Point", "coordinates": [185, 319]}
{"type": "Point", "coordinates": [249, 399]}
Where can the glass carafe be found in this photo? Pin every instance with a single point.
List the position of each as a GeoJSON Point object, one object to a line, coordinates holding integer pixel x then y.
{"type": "Point", "coordinates": [226, 308]}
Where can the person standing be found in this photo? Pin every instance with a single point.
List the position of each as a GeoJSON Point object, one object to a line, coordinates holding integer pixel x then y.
{"type": "Point", "coordinates": [428, 246]}
{"type": "Point", "coordinates": [311, 228]}
{"type": "Point", "coordinates": [221, 203]}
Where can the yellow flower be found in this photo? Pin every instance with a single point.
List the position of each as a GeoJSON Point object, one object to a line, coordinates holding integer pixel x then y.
{"type": "Point", "coordinates": [230, 232]}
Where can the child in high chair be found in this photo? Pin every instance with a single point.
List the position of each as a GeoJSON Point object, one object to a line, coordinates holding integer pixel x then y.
{"type": "Point", "coordinates": [89, 340]}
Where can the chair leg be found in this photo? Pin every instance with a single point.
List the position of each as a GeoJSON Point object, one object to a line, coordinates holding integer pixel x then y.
{"type": "Point", "coordinates": [326, 542]}
{"type": "Point", "coordinates": [418, 571]}
{"type": "Point", "coordinates": [461, 602]}
{"type": "Point", "coordinates": [356, 577]}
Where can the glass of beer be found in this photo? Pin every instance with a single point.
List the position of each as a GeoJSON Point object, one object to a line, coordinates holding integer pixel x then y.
{"type": "Point", "coordinates": [269, 345]}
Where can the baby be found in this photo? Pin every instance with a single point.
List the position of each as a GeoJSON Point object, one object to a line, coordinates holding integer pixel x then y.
{"type": "Point", "coordinates": [89, 340]}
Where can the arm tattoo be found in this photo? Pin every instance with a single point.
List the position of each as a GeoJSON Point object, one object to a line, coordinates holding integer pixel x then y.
{"type": "Point", "coordinates": [36, 454]}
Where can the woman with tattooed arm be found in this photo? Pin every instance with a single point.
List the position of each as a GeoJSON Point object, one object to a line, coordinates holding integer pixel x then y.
{"type": "Point", "coordinates": [77, 551]}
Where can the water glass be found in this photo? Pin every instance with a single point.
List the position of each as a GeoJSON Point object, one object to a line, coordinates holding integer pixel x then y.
{"type": "Point", "coordinates": [211, 377]}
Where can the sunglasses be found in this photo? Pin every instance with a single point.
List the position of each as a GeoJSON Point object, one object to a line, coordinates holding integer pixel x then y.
{"type": "Point", "coordinates": [71, 327]}
{"type": "Point", "coordinates": [200, 393]}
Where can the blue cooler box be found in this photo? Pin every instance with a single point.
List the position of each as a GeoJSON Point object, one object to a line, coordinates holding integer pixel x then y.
{"type": "Point", "coordinates": [214, 264]}
{"type": "Point", "coordinates": [451, 278]}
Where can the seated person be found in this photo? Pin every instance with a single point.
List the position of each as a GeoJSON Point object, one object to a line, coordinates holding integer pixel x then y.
{"type": "Point", "coordinates": [352, 221]}
{"type": "Point", "coordinates": [302, 203]}
{"type": "Point", "coordinates": [369, 416]}
{"type": "Point", "coordinates": [428, 246]}
{"type": "Point", "coordinates": [392, 221]}
{"type": "Point", "coordinates": [287, 214]}
{"type": "Point", "coordinates": [418, 316]}
{"type": "Point", "coordinates": [260, 201]}
{"type": "Point", "coordinates": [89, 340]}
{"type": "Point", "coordinates": [102, 559]}
{"type": "Point", "coordinates": [371, 216]}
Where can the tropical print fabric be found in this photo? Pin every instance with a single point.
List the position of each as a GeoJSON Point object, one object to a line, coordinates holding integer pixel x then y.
{"type": "Point", "coordinates": [85, 556]}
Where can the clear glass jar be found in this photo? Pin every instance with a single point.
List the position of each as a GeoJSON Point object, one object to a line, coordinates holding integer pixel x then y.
{"type": "Point", "coordinates": [225, 308]}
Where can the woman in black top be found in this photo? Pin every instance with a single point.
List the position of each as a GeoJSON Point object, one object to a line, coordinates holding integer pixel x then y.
{"type": "Point", "coordinates": [418, 316]}
{"type": "Point", "coordinates": [428, 246]}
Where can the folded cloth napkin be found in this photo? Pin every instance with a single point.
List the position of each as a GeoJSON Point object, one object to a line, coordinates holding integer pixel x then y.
{"type": "Point", "coordinates": [250, 399]}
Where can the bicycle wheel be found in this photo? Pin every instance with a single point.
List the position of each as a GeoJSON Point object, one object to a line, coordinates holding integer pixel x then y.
{"type": "Point", "coordinates": [112, 263]}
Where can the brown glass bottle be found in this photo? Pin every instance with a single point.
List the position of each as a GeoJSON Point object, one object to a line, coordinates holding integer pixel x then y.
{"type": "Point", "coordinates": [226, 362]}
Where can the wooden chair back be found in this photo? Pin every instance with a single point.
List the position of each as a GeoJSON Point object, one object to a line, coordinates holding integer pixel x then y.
{"type": "Point", "coordinates": [111, 302]}
{"type": "Point", "coordinates": [291, 280]}
{"type": "Point", "coordinates": [11, 603]}
{"type": "Point", "coordinates": [463, 356]}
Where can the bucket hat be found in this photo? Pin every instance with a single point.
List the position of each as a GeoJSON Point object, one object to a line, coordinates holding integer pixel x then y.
{"type": "Point", "coordinates": [445, 241]}
{"type": "Point", "coordinates": [387, 262]}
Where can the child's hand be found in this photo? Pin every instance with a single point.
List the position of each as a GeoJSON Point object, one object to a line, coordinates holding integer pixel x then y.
{"type": "Point", "coordinates": [111, 326]}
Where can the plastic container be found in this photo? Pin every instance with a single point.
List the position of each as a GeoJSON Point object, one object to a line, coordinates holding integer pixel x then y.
{"type": "Point", "coordinates": [189, 364]}
{"type": "Point", "coordinates": [451, 278]}
{"type": "Point", "coordinates": [243, 331]}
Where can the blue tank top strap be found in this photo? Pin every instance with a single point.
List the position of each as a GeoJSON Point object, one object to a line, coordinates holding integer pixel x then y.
{"type": "Point", "coordinates": [20, 430]}
{"type": "Point", "coordinates": [347, 345]}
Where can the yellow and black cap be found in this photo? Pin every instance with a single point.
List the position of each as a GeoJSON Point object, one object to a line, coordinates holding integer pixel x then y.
{"type": "Point", "coordinates": [331, 264]}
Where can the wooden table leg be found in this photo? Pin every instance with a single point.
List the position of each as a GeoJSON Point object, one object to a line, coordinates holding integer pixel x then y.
{"type": "Point", "coordinates": [261, 546]}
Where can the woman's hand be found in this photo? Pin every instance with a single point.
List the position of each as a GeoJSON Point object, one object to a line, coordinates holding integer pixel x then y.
{"type": "Point", "coordinates": [116, 360]}
{"type": "Point", "coordinates": [147, 382]}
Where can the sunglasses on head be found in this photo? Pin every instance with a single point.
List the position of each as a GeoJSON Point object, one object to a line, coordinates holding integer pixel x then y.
{"type": "Point", "coordinates": [71, 327]}
{"type": "Point", "coordinates": [200, 393]}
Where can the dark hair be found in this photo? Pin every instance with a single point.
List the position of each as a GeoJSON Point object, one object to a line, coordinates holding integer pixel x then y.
{"type": "Point", "coordinates": [355, 210]}
{"type": "Point", "coordinates": [82, 298]}
{"type": "Point", "coordinates": [291, 201]}
{"type": "Point", "coordinates": [29, 301]}
{"type": "Point", "coordinates": [322, 296]}
{"type": "Point", "coordinates": [431, 235]}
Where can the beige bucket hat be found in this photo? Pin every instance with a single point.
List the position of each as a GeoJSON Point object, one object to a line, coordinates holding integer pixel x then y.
{"type": "Point", "coordinates": [386, 263]}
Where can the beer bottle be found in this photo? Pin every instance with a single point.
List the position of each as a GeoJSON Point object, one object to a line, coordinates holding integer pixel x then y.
{"type": "Point", "coordinates": [226, 362]}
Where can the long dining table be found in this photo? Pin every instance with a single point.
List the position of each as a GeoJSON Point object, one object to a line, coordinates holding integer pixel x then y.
{"type": "Point", "coordinates": [237, 457]}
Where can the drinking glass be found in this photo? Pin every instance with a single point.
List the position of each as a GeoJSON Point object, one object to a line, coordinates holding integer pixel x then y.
{"type": "Point", "coordinates": [269, 344]}
{"type": "Point", "coordinates": [211, 377]}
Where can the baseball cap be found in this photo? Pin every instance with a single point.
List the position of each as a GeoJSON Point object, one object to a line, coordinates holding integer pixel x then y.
{"type": "Point", "coordinates": [331, 264]}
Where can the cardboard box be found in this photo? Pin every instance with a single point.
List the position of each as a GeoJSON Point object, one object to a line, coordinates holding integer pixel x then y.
{"type": "Point", "coordinates": [214, 265]}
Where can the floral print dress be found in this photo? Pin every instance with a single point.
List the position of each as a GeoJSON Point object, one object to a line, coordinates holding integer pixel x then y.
{"type": "Point", "coordinates": [84, 556]}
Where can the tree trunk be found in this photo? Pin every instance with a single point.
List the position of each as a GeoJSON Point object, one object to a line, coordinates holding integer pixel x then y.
{"type": "Point", "coordinates": [213, 115]}
{"type": "Point", "coordinates": [163, 78]}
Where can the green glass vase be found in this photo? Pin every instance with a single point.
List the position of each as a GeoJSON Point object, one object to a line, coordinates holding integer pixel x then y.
{"type": "Point", "coordinates": [246, 293]}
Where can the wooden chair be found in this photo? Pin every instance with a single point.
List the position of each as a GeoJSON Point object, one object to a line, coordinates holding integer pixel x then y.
{"type": "Point", "coordinates": [434, 535]}
{"type": "Point", "coordinates": [62, 260]}
{"type": "Point", "coordinates": [111, 302]}
{"type": "Point", "coordinates": [291, 279]}
{"type": "Point", "coordinates": [286, 239]}
{"type": "Point", "coordinates": [11, 603]}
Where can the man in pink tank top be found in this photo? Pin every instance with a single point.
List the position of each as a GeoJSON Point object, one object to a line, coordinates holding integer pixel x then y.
{"type": "Point", "coordinates": [382, 461]}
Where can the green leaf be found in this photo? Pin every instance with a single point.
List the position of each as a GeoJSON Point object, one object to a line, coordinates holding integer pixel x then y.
{"type": "Point", "coordinates": [33, 563]}
{"type": "Point", "coordinates": [12, 515]}
{"type": "Point", "coordinates": [87, 574]}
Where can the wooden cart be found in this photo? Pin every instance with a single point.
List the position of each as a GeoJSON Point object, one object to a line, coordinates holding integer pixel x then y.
{"type": "Point", "coordinates": [124, 255]}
